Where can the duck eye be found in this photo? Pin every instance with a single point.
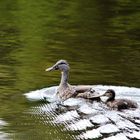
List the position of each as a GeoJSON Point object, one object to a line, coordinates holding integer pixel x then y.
{"type": "Point", "coordinates": [62, 63]}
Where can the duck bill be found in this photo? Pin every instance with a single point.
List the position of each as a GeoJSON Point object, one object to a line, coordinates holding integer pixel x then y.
{"type": "Point", "coordinates": [104, 94]}
{"type": "Point", "coordinates": [96, 94]}
{"type": "Point", "coordinates": [50, 69]}
{"type": "Point", "coordinates": [54, 67]}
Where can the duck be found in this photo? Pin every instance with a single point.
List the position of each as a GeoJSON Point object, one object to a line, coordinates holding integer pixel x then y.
{"type": "Point", "coordinates": [118, 104]}
{"type": "Point", "coordinates": [65, 90]}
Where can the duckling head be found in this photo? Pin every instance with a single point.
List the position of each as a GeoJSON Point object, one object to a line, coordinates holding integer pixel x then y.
{"type": "Point", "coordinates": [110, 93]}
{"type": "Point", "coordinates": [61, 65]}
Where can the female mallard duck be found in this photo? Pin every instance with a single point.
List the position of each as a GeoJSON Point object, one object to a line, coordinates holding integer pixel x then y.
{"type": "Point", "coordinates": [118, 103]}
{"type": "Point", "coordinates": [65, 90]}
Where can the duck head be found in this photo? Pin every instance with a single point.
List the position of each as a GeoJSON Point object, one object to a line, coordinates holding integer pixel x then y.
{"type": "Point", "coordinates": [110, 93]}
{"type": "Point", "coordinates": [61, 65]}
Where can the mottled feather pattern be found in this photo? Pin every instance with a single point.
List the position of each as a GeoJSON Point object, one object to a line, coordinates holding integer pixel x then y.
{"type": "Point", "coordinates": [66, 92]}
{"type": "Point", "coordinates": [88, 95]}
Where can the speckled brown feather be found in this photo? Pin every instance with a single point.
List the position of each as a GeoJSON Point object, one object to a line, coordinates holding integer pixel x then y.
{"type": "Point", "coordinates": [88, 95]}
{"type": "Point", "coordinates": [66, 92]}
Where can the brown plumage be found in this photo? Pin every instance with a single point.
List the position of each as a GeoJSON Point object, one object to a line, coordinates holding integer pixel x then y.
{"type": "Point", "coordinates": [65, 92]}
{"type": "Point", "coordinates": [118, 104]}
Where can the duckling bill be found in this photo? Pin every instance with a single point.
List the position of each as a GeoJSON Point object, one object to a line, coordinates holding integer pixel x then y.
{"type": "Point", "coordinates": [118, 104]}
{"type": "Point", "coordinates": [65, 90]}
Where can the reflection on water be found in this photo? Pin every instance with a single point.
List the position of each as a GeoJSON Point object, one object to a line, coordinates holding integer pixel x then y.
{"type": "Point", "coordinates": [99, 39]}
{"type": "Point", "coordinates": [3, 135]}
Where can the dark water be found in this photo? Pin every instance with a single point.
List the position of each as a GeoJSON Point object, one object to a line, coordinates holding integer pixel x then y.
{"type": "Point", "coordinates": [100, 40]}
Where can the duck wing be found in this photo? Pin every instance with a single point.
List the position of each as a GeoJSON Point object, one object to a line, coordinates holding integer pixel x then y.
{"type": "Point", "coordinates": [89, 95]}
{"type": "Point", "coordinates": [82, 88]}
{"type": "Point", "coordinates": [67, 92]}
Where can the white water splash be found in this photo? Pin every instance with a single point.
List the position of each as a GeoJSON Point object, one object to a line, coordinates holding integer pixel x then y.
{"type": "Point", "coordinates": [99, 118]}
{"type": "Point", "coordinates": [119, 136]}
{"type": "Point", "coordinates": [50, 92]}
{"type": "Point", "coordinates": [91, 134]}
{"type": "Point", "coordinates": [80, 125]}
{"type": "Point", "coordinates": [3, 135]}
{"type": "Point", "coordinates": [134, 135]}
{"type": "Point", "coordinates": [68, 116]}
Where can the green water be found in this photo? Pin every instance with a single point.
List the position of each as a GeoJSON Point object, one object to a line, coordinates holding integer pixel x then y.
{"type": "Point", "coordinates": [100, 40]}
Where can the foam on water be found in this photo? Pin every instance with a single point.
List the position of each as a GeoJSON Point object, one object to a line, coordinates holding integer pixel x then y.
{"type": "Point", "coordinates": [80, 125]}
{"type": "Point", "coordinates": [108, 128]}
{"type": "Point", "coordinates": [77, 114]}
{"type": "Point", "coordinates": [68, 116]}
{"type": "Point", "coordinates": [119, 136]}
{"type": "Point", "coordinates": [134, 135]}
{"type": "Point", "coordinates": [2, 123]}
{"type": "Point", "coordinates": [3, 135]}
{"type": "Point", "coordinates": [91, 134]}
{"type": "Point", "coordinates": [74, 102]}
{"type": "Point", "coordinates": [99, 119]}
{"type": "Point", "coordinates": [50, 92]}
{"type": "Point", "coordinates": [86, 109]}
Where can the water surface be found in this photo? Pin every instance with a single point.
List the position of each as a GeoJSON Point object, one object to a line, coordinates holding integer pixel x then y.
{"type": "Point", "coordinates": [100, 40]}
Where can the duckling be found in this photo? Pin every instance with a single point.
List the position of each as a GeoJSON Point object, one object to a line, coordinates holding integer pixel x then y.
{"type": "Point", "coordinates": [118, 104]}
{"type": "Point", "coordinates": [65, 90]}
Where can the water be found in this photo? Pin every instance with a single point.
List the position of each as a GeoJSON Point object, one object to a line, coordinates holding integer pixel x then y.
{"type": "Point", "coordinates": [100, 40]}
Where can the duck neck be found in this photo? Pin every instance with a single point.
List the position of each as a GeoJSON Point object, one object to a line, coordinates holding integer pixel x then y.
{"type": "Point", "coordinates": [64, 78]}
{"type": "Point", "coordinates": [110, 99]}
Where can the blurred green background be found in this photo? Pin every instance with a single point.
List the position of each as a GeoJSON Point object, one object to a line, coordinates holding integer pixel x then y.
{"type": "Point", "coordinates": [100, 40]}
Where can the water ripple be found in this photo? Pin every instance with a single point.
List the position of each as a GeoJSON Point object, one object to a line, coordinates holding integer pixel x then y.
{"type": "Point", "coordinates": [86, 120]}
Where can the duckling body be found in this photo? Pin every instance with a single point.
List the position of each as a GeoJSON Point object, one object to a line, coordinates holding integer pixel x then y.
{"type": "Point", "coordinates": [118, 104]}
{"type": "Point", "coordinates": [65, 90]}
